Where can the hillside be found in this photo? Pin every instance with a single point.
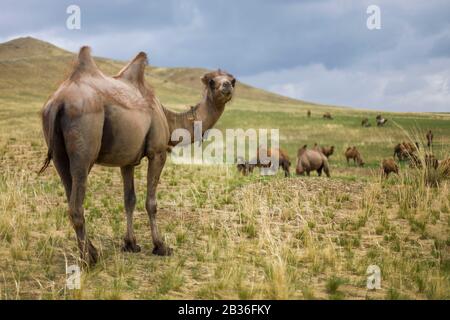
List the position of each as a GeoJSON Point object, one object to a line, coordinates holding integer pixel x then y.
{"type": "Point", "coordinates": [34, 68]}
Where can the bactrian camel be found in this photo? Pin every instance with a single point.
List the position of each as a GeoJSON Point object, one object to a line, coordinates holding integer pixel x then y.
{"type": "Point", "coordinates": [116, 121]}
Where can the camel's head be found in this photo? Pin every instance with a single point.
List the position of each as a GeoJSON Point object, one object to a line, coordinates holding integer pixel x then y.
{"type": "Point", "coordinates": [220, 85]}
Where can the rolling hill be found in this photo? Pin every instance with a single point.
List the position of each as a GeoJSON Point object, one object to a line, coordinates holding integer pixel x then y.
{"type": "Point", "coordinates": [34, 68]}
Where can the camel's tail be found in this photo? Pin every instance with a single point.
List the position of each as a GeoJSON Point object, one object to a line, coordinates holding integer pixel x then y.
{"type": "Point", "coordinates": [49, 114]}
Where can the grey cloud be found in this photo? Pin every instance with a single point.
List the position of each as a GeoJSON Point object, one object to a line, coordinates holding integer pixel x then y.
{"type": "Point", "coordinates": [251, 38]}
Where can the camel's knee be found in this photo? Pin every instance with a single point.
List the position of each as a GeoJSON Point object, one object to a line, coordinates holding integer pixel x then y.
{"type": "Point", "coordinates": [150, 205]}
{"type": "Point", "coordinates": [130, 201]}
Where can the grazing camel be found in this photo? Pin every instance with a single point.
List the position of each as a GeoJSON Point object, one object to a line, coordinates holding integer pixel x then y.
{"type": "Point", "coordinates": [405, 150]}
{"type": "Point", "coordinates": [308, 113]}
{"type": "Point", "coordinates": [311, 160]}
{"type": "Point", "coordinates": [429, 138]}
{"type": "Point", "coordinates": [353, 153]}
{"type": "Point", "coordinates": [327, 115]}
{"type": "Point", "coordinates": [283, 160]}
{"type": "Point", "coordinates": [116, 121]}
{"type": "Point", "coordinates": [388, 166]}
{"type": "Point", "coordinates": [244, 167]}
{"type": "Point", "coordinates": [365, 123]}
{"type": "Point", "coordinates": [327, 151]}
{"type": "Point", "coordinates": [381, 121]}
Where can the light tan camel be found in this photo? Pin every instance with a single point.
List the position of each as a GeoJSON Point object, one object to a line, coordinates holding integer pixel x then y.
{"type": "Point", "coordinates": [116, 121]}
{"type": "Point", "coordinates": [310, 160]}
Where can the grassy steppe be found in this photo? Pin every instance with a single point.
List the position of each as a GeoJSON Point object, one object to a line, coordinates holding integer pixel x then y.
{"type": "Point", "coordinates": [233, 237]}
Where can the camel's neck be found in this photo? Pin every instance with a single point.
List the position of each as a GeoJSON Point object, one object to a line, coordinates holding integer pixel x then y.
{"type": "Point", "coordinates": [207, 111]}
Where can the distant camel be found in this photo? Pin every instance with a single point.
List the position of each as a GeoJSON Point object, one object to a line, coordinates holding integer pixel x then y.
{"type": "Point", "coordinates": [116, 121]}
{"type": "Point", "coordinates": [327, 115]}
{"type": "Point", "coordinates": [353, 153]}
{"type": "Point", "coordinates": [389, 166]}
{"type": "Point", "coordinates": [380, 120]}
{"type": "Point", "coordinates": [429, 138]}
{"type": "Point", "coordinates": [308, 113]}
{"type": "Point", "coordinates": [283, 160]}
{"type": "Point", "coordinates": [365, 122]}
{"type": "Point", "coordinates": [405, 150]}
{"type": "Point", "coordinates": [244, 167]}
{"type": "Point", "coordinates": [311, 160]}
{"type": "Point", "coordinates": [327, 151]}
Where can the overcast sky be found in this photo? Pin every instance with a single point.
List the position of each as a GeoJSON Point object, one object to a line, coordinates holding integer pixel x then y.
{"type": "Point", "coordinates": [315, 50]}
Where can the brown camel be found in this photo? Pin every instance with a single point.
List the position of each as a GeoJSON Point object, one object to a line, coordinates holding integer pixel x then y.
{"type": "Point", "coordinates": [311, 160]}
{"type": "Point", "coordinates": [429, 138]}
{"type": "Point", "coordinates": [308, 113]}
{"type": "Point", "coordinates": [405, 151]}
{"type": "Point", "coordinates": [244, 167]}
{"type": "Point", "coordinates": [283, 160]}
{"type": "Point", "coordinates": [327, 151]}
{"type": "Point", "coordinates": [116, 121]}
{"type": "Point", "coordinates": [388, 166]}
{"type": "Point", "coordinates": [327, 115]}
{"type": "Point", "coordinates": [353, 153]}
{"type": "Point", "coordinates": [365, 122]}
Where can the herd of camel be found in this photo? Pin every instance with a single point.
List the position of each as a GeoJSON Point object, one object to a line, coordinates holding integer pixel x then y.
{"type": "Point", "coordinates": [116, 121]}
{"type": "Point", "coordinates": [316, 159]}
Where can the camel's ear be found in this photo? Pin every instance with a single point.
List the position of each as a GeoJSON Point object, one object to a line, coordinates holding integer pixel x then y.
{"type": "Point", "coordinates": [208, 81]}
{"type": "Point", "coordinates": [85, 63]}
{"type": "Point", "coordinates": [205, 79]}
{"type": "Point", "coordinates": [135, 70]}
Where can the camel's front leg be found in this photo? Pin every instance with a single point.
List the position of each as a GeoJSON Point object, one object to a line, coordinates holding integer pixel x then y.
{"type": "Point", "coordinates": [156, 163]}
{"type": "Point", "coordinates": [130, 203]}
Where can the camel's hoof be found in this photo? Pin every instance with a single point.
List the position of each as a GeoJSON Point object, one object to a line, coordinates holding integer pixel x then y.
{"type": "Point", "coordinates": [162, 250]}
{"type": "Point", "coordinates": [130, 246]}
{"type": "Point", "coordinates": [90, 257]}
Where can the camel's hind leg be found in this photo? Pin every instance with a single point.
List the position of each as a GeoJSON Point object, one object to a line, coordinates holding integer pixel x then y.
{"type": "Point", "coordinates": [156, 163]}
{"type": "Point", "coordinates": [62, 164]}
{"type": "Point", "coordinates": [130, 202]}
{"type": "Point", "coordinates": [82, 138]}
{"type": "Point", "coordinates": [76, 212]}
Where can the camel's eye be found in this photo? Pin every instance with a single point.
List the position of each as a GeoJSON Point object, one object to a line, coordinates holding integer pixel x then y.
{"type": "Point", "coordinates": [233, 82]}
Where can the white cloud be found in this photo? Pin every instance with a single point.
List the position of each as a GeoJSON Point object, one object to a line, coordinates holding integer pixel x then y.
{"type": "Point", "coordinates": [418, 87]}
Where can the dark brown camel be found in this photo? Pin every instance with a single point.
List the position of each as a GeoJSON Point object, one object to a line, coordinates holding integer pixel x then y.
{"type": "Point", "coordinates": [116, 121]}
